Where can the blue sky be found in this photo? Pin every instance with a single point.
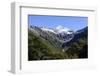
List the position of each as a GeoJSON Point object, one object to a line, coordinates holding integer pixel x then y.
{"type": "Point", "coordinates": [72, 22]}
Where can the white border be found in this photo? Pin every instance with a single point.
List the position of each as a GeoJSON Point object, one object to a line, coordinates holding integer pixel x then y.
{"type": "Point", "coordinates": [19, 37]}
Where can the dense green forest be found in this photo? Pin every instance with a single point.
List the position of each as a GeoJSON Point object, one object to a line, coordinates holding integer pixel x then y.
{"type": "Point", "coordinates": [40, 48]}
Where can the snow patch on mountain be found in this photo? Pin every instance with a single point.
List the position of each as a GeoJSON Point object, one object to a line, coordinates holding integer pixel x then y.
{"type": "Point", "coordinates": [59, 29]}
{"type": "Point", "coordinates": [46, 29]}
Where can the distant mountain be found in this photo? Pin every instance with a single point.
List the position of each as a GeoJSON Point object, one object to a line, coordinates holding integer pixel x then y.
{"type": "Point", "coordinates": [56, 36]}
{"type": "Point", "coordinates": [59, 29]}
{"type": "Point", "coordinates": [83, 33]}
{"type": "Point", "coordinates": [64, 34]}
{"type": "Point", "coordinates": [82, 30]}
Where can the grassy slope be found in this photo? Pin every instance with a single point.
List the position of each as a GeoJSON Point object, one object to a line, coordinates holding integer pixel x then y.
{"type": "Point", "coordinates": [51, 51]}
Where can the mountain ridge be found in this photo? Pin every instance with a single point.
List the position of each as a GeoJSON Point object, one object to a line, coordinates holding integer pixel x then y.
{"type": "Point", "coordinates": [61, 34]}
{"type": "Point", "coordinates": [44, 45]}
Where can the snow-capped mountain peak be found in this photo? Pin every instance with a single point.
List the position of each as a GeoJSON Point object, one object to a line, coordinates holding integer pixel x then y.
{"type": "Point", "coordinates": [47, 29]}
{"type": "Point", "coordinates": [61, 29]}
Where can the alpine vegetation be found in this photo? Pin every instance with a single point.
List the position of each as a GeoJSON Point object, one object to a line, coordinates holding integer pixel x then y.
{"type": "Point", "coordinates": [59, 42]}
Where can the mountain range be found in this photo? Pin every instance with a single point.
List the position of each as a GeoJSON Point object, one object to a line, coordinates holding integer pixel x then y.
{"type": "Point", "coordinates": [58, 41]}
